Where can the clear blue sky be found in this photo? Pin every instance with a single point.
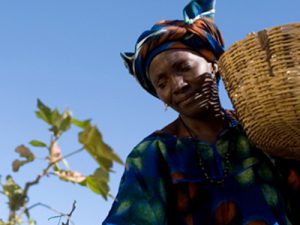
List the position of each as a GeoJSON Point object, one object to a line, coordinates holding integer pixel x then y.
{"type": "Point", "coordinates": [67, 54]}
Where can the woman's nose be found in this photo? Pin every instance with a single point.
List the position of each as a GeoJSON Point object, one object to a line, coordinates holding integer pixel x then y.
{"type": "Point", "coordinates": [179, 85]}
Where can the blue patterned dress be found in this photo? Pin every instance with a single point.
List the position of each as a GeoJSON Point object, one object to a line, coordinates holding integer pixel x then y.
{"type": "Point", "coordinates": [185, 181]}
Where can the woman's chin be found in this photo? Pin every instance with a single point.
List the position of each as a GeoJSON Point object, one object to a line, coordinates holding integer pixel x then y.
{"type": "Point", "coordinates": [196, 110]}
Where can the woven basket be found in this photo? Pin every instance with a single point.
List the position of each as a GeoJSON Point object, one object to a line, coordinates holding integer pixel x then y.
{"type": "Point", "coordinates": [261, 74]}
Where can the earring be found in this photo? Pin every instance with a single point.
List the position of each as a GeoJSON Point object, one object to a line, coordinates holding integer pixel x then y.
{"type": "Point", "coordinates": [215, 66]}
{"type": "Point", "coordinates": [166, 107]}
{"type": "Point", "coordinates": [213, 75]}
{"type": "Point", "coordinates": [214, 69]}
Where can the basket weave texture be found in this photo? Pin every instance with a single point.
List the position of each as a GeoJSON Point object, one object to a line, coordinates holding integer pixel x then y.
{"type": "Point", "coordinates": [261, 74]}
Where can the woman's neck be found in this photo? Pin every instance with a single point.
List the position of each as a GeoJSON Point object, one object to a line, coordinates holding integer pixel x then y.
{"type": "Point", "coordinates": [204, 128]}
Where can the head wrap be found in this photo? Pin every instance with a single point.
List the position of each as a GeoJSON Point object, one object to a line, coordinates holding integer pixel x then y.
{"type": "Point", "coordinates": [197, 32]}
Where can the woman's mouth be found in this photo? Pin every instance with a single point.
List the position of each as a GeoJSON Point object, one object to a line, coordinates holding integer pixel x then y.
{"type": "Point", "coordinates": [190, 99]}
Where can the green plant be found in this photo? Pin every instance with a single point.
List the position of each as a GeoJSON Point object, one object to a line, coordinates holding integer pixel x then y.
{"type": "Point", "coordinates": [90, 140]}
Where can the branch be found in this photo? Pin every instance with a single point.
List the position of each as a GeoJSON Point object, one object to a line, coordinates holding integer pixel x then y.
{"type": "Point", "coordinates": [70, 214]}
{"type": "Point", "coordinates": [72, 153]}
{"type": "Point", "coordinates": [44, 205]}
{"type": "Point", "coordinates": [45, 171]}
{"type": "Point", "coordinates": [61, 214]}
{"type": "Point", "coordinates": [37, 179]}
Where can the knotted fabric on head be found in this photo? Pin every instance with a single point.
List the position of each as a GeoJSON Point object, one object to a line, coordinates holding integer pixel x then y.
{"type": "Point", "coordinates": [197, 32]}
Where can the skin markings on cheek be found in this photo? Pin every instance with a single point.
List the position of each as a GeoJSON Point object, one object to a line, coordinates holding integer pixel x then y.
{"type": "Point", "coordinates": [204, 103]}
{"type": "Point", "coordinates": [208, 79]}
{"type": "Point", "coordinates": [198, 95]}
{"type": "Point", "coordinates": [206, 88]}
{"type": "Point", "coordinates": [200, 78]}
{"type": "Point", "coordinates": [210, 88]}
{"type": "Point", "coordinates": [215, 102]}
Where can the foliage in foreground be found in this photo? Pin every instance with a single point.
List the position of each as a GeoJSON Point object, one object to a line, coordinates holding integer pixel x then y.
{"type": "Point", "coordinates": [90, 139]}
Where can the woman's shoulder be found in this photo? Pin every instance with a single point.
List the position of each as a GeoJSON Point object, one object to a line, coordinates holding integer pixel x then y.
{"type": "Point", "coordinates": [158, 141]}
{"type": "Point", "coordinates": [149, 153]}
{"type": "Point", "coordinates": [153, 143]}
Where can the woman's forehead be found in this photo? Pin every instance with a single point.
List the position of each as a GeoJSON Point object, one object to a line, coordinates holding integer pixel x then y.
{"type": "Point", "coordinates": [172, 59]}
{"type": "Point", "coordinates": [173, 55]}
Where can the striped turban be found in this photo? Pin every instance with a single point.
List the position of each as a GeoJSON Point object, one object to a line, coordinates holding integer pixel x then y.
{"type": "Point", "coordinates": [197, 32]}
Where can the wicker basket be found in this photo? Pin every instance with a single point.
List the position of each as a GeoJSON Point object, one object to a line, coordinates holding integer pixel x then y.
{"type": "Point", "coordinates": [262, 76]}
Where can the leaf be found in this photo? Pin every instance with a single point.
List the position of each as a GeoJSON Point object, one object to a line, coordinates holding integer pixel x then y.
{"type": "Point", "coordinates": [81, 123]}
{"type": "Point", "coordinates": [10, 187]}
{"type": "Point", "coordinates": [92, 141]}
{"type": "Point", "coordinates": [66, 123]}
{"type": "Point", "coordinates": [105, 163]}
{"type": "Point", "coordinates": [55, 131]}
{"type": "Point", "coordinates": [31, 222]}
{"type": "Point", "coordinates": [55, 115]}
{"type": "Point", "coordinates": [60, 122]}
{"type": "Point", "coordinates": [25, 152]}
{"type": "Point", "coordinates": [16, 197]}
{"type": "Point", "coordinates": [37, 143]}
{"type": "Point", "coordinates": [17, 164]}
{"type": "Point", "coordinates": [98, 182]}
{"type": "Point", "coordinates": [44, 112]}
{"type": "Point", "coordinates": [71, 176]}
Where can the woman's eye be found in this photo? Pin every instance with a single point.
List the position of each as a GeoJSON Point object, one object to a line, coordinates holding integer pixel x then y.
{"type": "Point", "coordinates": [161, 85]}
{"type": "Point", "coordinates": [185, 68]}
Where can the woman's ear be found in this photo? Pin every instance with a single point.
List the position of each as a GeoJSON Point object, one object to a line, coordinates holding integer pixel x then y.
{"type": "Point", "coordinates": [214, 69]}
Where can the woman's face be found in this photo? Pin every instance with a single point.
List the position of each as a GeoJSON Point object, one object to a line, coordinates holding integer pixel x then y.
{"type": "Point", "coordinates": [184, 80]}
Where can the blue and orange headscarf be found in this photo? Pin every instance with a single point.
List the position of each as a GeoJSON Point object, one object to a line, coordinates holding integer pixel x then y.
{"type": "Point", "coordinates": [197, 32]}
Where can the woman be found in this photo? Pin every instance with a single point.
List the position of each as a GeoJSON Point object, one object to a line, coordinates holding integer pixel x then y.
{"type": "Point", "coordinates": [201, 168]}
